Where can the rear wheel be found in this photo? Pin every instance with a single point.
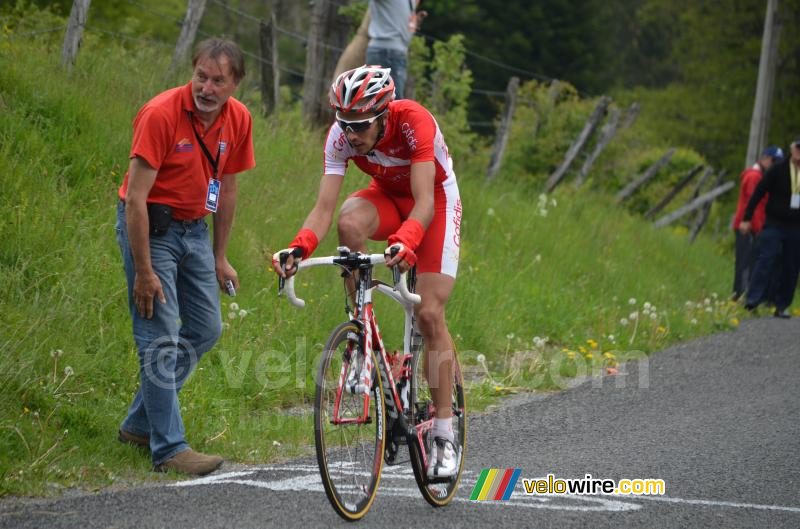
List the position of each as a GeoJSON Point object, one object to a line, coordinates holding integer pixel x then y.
{"type": "Point", "coordinates": [437, 494]}
{"type": "Point", "coordinates": [350, 455]}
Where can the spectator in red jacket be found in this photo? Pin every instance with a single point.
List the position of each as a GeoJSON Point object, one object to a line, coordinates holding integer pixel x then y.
{"type": "Point", "coordinates": [747, 244]}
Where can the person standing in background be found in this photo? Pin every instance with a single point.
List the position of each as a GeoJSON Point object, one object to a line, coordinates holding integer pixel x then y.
{"type": "Point", "coordinates": [746, 244]}
{"type": "Point", "coordinates": [780, 238]}
{"type": "Point", "coordinates": [392, 24]}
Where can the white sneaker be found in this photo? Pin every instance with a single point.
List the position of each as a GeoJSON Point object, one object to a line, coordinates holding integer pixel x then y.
{"type": "Point", "coordinates": [442, 459]}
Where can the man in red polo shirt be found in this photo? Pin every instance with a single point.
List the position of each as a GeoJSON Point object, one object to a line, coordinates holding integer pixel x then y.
{"type": "Point", "coordinates": [188, 145]}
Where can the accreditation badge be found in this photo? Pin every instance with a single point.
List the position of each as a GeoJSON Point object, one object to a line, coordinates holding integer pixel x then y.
{"type": "Point", "coordinates": [212, 198]}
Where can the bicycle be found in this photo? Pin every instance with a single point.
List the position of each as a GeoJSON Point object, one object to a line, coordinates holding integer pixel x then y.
{"type": "Point", "coordinates": [367, 403]}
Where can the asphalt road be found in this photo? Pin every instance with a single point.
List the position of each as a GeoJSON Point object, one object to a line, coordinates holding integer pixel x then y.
{"type": "Point", "coordinates": [717, 419]}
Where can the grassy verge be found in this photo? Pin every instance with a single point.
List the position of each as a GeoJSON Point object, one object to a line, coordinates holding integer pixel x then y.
{"type": "Point", "coordinates": [547, 287]}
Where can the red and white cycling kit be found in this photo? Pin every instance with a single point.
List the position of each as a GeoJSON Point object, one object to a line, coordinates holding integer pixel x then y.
{"type": "Point", "coordinates": [411, 135]}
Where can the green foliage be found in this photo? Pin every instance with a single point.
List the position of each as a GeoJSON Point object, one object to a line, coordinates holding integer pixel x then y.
{"type": "Point", "coordinates": [445, 89]}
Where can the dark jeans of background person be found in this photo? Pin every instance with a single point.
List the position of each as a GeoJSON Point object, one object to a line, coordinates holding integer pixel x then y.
{"type": "Point", "coordinates": [394, 59]}
{"type": "Point", "coordinates": [747, 247]}
{"type": "Point", "coordinates": [776, 244]}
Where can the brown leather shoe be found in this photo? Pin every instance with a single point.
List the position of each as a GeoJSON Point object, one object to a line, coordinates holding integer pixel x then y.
{"type": "Point", "coordinates": [133, 439]}
{"type": "Point", "coordinates": [190, 462]}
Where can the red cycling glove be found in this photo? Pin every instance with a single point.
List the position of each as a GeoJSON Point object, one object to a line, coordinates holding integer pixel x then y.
{"type": "Point", "coordinates": [306, 240]}
{"type": "Point", "coordinates": [409, 236]}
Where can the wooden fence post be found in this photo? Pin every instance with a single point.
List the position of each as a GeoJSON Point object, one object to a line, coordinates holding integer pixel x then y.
{"type": "Point", "coordinates": [578, 144]}
{"type": "Point", "coordinates": [693, 205]}
{"type": "Point", "coordinates": [648, 175]}
{"type": "Point", "coordinates": [503, 130]}
{"type": "Point", "coordinates": [194, 13]}
{"type": "Point", "coordinates": [270, 74]}
{"type": "Point", "coordinates": [72, 39]}
{"type": "Point", "coordinates": [630, 115]}
{"type": "Point", "coordinates": [673, 193]}
{"type": "Point", "coordinates": [704, 213]}
{"type": "Point", "coordinates": [606, 135]}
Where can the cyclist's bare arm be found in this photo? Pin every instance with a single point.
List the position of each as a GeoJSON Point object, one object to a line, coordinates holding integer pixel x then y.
{"type": "Point", "coordinates": [423, 175]}
{"type": "Point", "coordinates": [320, 219]}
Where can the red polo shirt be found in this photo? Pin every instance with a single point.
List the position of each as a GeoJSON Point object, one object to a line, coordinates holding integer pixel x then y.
{"type": "Point", "coordinates": [163, 137]}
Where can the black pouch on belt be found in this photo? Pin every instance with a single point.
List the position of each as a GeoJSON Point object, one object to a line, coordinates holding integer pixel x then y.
{"type": "Point", "coordinates": [160, 216]}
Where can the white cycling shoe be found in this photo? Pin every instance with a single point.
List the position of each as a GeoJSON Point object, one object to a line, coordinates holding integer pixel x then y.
{"type": "Point", "coordinates": [442, 459]}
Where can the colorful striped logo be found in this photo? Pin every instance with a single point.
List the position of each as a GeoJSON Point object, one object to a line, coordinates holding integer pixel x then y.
{"type": "Point", "coordinates": [495, 484]}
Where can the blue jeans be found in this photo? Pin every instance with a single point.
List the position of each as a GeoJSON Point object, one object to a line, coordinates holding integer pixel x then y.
{"type": "Point", "coordinates": [394, 59]}
{"type": "Point", "coordinates": [781, 245]}
{"type": "Point", "coordinates": [171, 343]}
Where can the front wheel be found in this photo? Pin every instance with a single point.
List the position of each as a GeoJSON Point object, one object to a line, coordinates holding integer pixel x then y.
{"type": "Point", "coordinates": [349, 439]}
{"type": "Point", "coordinates": [422, 413]}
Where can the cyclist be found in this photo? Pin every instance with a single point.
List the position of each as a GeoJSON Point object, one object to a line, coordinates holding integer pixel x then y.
{"type": "Point", "coordinates": [412, 202]}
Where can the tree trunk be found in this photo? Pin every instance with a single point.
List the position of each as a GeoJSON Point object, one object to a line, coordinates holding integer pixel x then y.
{"type": "Point", "coordinates": [326, 39]}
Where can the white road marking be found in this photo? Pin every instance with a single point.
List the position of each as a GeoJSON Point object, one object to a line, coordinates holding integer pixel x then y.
{"type": "Point", "coordinates": [306, 478]}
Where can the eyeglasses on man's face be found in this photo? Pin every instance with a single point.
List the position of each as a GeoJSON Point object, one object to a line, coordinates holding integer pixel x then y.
{"type": "Point", "coordinates": [359, 125]}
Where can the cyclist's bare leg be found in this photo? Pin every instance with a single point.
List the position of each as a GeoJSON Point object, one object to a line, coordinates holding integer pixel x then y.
{"type": "Point", "coordinates": [435, 290]}
{"type": "Point", "coordinates": [358, 219]}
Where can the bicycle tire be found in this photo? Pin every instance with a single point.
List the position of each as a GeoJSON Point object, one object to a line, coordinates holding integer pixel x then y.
{"type": "Point", "coordinates": [350, 456]}
{"type": "Point", "coordinates": [441, 493]}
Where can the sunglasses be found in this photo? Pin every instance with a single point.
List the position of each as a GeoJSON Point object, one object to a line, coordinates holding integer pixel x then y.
{"type": "Point", "coordinates": [359, 125]}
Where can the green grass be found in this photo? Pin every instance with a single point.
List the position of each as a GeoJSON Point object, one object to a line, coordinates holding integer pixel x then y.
{"type": "Point", "coordinates": [68, 363]}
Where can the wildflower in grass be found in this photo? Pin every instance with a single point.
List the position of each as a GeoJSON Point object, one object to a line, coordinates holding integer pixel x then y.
{"type": "Point", "coordinates": [510, 336]}
{"type": "Point", "coordinates": [694, 321]}
{"type": "Point", "coordinates": [709, 309]}
{"type": "Point", "coordinates": [25, 410]}
{"type": "Point", "coordinates": [653, 315]}
{"type": "Point", "coordinates": [632, 301]}
{"type": "Point", "coordinates": [231, 315]}
{"type": "Point", "coordinates": [242, 313]}
{"type": "Point", "coordinates": [56, 353]}
{"type": "Point", "coordinates": [661, 329]}
{"type": "Point", "coordinates": [609, 355]}
{"type": "Point", "coordinates": [582, 349]}
{"type": "Point", "coordinates": [647, 305]}
{"type": "Point", "coordinates": [588, 356]}
{"type": "Point", "coordinates": [481, 358]}
{"type": "Point", "coordinates": [689, 305]}
{"type": "Point", "coordinates": [623, 322]}
{"type": "Point", "coordinates": [68, 371]}
{"type": "Point", "coordinates": [570, 354]}
{"type": "Point", "coordinates": [735, 322]}
{"type": "Point", "coordinates": [234, 306]}
{"type": "Point", "coordinates": [276, 443]}
{"type": "Point", "coordinates": [490, 212]}
{"type": "Point", "coordinates": [611, 338]}
{"type": "Point", "coordinates": [226, 325]}
{"type": "Point", "coordinates": [707, 301]}
{"type": "Point", "coordinates": [592, 343]}
{"type": "Point", "coordinates": [633, 315]}
{"type": "Point", "coordinates": [538, 258]}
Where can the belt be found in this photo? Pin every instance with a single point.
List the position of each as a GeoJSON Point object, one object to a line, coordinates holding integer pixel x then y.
{"type": "Point", "coordinates": [183, 222]}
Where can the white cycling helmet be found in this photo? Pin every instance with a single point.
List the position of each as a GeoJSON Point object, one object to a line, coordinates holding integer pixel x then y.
{"type": "Point", "coordinates": [363, 89]}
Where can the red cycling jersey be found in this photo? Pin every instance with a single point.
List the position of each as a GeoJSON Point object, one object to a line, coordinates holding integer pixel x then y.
{"type": "Point", "coordinates": [411, 136]}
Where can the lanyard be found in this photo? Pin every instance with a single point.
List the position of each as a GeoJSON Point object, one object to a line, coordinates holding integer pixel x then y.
{"type": "Point", "coordinates": [214, 162]}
